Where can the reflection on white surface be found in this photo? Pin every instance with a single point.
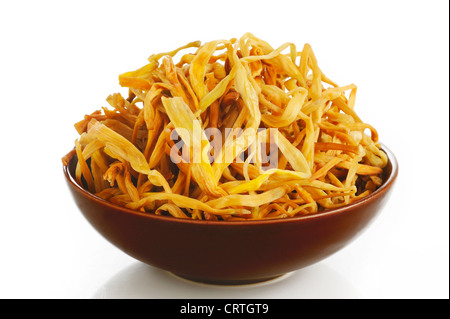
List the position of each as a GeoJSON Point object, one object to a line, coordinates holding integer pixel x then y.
{"type": "Point", "coordinates": [140, 281]}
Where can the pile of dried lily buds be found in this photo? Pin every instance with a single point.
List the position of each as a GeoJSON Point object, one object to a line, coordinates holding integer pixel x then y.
{"type": "Point", "coordinates": [231, 130]}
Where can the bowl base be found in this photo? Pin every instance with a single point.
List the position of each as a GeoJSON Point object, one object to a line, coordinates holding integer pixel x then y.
{"type": "Point", "coordinates": [231, 282]}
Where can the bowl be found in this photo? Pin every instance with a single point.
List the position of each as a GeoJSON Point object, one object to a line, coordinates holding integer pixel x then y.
{"type": "Point", "coordinates": [220, 252]}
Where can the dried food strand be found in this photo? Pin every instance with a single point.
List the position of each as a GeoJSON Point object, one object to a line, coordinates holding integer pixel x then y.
{"type": "Point", "coordinates": [85, 171]}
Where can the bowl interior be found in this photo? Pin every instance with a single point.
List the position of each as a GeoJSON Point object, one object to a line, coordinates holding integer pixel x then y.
{"type": "Point", "coordinates": [390, 173]}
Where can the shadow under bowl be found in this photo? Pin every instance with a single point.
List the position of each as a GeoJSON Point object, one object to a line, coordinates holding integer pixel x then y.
{"type": "Point", "coordinates": [220, 252]}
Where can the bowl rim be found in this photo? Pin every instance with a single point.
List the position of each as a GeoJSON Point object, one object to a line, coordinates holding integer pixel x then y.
{"type": "Point", "coordinates": [360, 202]}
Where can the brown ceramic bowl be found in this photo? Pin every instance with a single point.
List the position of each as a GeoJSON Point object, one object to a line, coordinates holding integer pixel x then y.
{"type": "Point", "coordinates": [230, 252]}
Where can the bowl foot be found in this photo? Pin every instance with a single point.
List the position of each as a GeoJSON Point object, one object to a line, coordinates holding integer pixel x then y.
{"type": "Point", "coordinates": [231, 282]}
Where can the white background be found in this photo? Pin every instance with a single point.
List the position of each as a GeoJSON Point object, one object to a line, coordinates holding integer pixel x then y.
{"type": "Point", "coordinates": [59, 60]}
